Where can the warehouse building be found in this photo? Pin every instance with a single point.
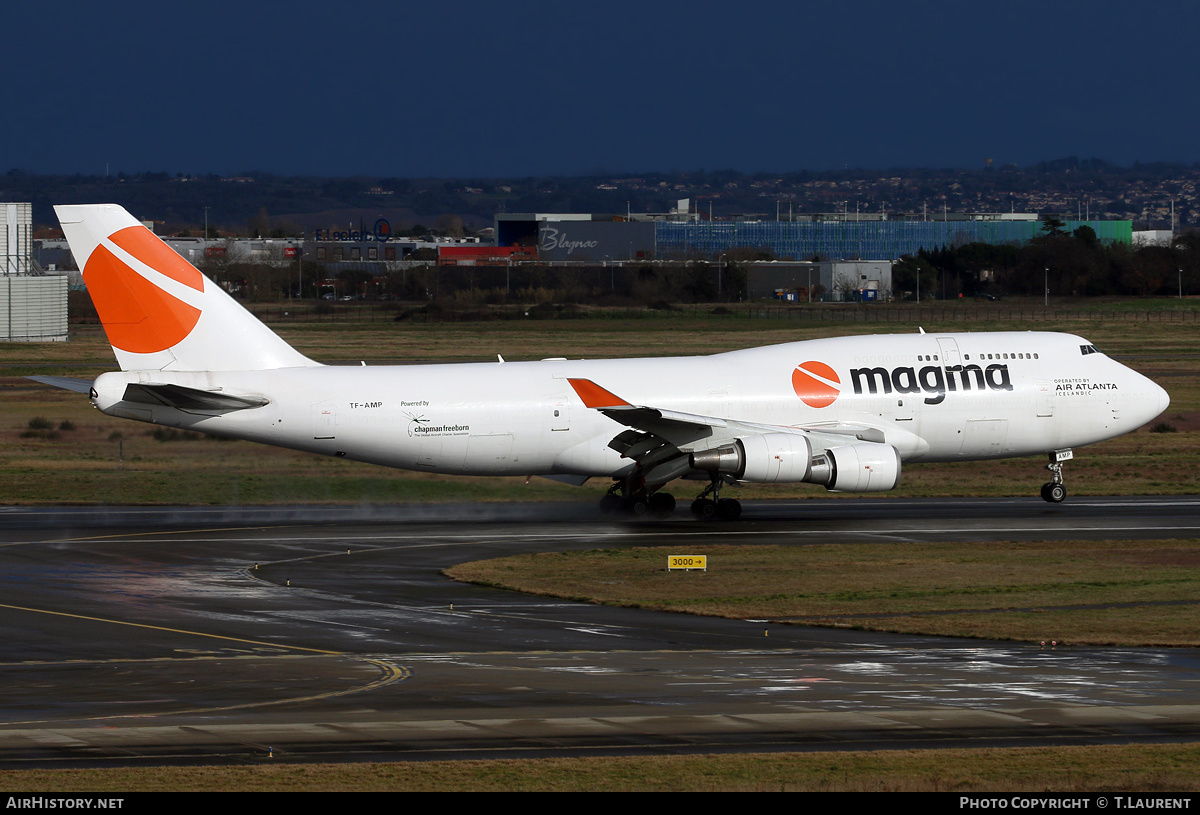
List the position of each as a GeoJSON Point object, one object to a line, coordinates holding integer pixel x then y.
{"type": "Point", "coordinates": [33, 303]}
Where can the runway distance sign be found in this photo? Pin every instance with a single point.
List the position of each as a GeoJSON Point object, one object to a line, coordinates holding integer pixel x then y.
{"type": "Point", "coordinates": [687, 562]}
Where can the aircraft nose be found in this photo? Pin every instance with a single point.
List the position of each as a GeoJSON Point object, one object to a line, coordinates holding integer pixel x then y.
{"type": "Point", "coordinates": [1160, 397]}
{"type": "Point", "coordinates": [1152, 401]}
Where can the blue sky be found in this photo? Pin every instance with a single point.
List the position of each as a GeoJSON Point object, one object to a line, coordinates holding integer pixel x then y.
{"type": "Point", "coordinates": [539, 88]}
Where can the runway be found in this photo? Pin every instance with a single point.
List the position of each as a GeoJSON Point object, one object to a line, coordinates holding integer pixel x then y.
{"type": "Point", "coordinates": [173, 635]}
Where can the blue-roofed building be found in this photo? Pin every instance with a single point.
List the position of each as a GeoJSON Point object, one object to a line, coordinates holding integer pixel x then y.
{"type": "Point", "coordinates": [839, 236]}
{"type": "Point", "coordinates": [856, 239]}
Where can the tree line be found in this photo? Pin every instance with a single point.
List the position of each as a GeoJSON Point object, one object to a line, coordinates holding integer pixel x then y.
{"type": "Point", "coordinates": [1065, 264]}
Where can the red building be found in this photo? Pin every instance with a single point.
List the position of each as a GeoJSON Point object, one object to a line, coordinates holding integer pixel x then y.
{"type": "Point", "coordinates": [476, 255]}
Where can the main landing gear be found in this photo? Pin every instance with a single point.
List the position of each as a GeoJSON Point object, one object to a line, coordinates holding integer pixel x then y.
{"type": "Point", "coordinates": [636, 501]}
{"type": "Point", "coordinates": [725, 509]}
{"type": "Point", "coordinates": [1053, 490]}
{"type": "Point", "coordinates": [629, 497]}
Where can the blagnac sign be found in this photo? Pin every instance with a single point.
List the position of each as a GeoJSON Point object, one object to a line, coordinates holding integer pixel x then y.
{"type": "Point", "coordinates": [552, 238]}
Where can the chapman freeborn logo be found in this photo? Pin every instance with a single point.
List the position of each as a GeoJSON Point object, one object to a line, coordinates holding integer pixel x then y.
{"type": "Point", "coordinates": [816, 384]}
{"type": "Point", "coordinates": [415, 422]}
{"type": "Point", "coordinates": [418, 425]}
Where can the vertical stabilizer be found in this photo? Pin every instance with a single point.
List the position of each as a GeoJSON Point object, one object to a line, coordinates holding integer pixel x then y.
{"type": "Point", "coordinates": [159, 311]}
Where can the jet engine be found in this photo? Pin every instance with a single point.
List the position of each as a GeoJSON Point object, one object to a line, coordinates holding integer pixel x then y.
{"type": "Point", "coordinates": [766, 459]}
{"type": "Point", "coordinates": [786, 457]}
{"type": "Point", "coordinates": [862, 467]}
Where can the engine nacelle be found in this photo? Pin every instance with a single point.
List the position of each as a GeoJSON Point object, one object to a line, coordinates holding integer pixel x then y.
{"type": "Point", "coordinates": [767, 459]}
{"type": "Point", "coordinates": [775, 458]}
{"type": "Point", "coordinates": [863, 467]}
{"type": "Point", "coordinates": [788, 457]}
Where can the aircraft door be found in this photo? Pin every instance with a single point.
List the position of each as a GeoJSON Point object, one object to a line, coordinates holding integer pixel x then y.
{"type": "Point", "coordinates": [903, 412]}
{"type": "Point", "coordinates": [560, 414]}
{"type": "Point", "coordinates": [558, 409]}
{"type": "Point", "coordinates": [1045, 398]}
{"type": "Point", "coordinates": [949, 350]}
{"type": "Point", "coordinates": [984, 437]}
{"type": "Point", "coordinates": [429, 453]}
{"type": "Point", "coordinates": [324, 417]}
{"type": "Point", "coordinates": [491, 452]}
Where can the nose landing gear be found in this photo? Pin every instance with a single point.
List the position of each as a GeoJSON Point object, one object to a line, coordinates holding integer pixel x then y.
{"type": "Point", "coordinates": [1054, 491]}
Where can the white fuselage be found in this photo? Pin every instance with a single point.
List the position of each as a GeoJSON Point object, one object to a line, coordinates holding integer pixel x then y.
{"type": "Point", "coordinates": [934, 397]}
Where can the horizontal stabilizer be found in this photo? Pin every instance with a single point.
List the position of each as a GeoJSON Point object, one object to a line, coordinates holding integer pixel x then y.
{"type": "Point", "coordinates": [65, 382]}
{"type": "Point", "coordinates": [189, 399]}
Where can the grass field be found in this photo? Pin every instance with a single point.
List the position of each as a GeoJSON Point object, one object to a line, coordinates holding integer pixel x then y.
{"type": "Point", "coordinates": [1130, 768]}
{"type": "Point", "coordinates": [1122, 592]}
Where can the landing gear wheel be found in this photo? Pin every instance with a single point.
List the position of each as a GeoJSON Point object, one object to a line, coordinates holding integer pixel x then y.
{"type": "Point", "coordinates": [1053, 493]}
{"type": "Point", "coordinates": [662, 504]}
{"type": "Point", "coordinates": [704, 508]}
{"type": "Point", "coordinates": [729, 509]}
{"type": "Point", "coordinates": [637, 506]}
{"type": "Point", "coordinates": [610, 503]}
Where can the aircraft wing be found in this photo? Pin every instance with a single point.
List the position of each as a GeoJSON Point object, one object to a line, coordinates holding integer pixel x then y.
{"type": "Point", "coordinates": [658, 434]}
{"type": "Point", "coordinates": [836, 433]}
{"type": "Point", "coordinates": [671, 426]}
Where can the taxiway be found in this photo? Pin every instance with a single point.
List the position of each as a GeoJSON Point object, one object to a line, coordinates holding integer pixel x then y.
{"type": "Point", "coordinates": [315, 633]}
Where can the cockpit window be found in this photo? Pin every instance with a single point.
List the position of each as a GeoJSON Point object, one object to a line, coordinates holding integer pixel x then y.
{"type": "Point", "coordinates": [1088, 349]}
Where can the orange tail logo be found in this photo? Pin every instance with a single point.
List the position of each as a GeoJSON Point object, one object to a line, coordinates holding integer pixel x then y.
{"type": "Point", "coordinates": [816, 384]}
{"type": "Point", "coordinates": [138, 316]}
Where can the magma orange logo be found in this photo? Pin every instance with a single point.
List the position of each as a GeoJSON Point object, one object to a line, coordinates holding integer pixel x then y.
{"type": "Point", "coordinates": [816, 384]}
{"type": "Point", "coordinates": [138, 316]}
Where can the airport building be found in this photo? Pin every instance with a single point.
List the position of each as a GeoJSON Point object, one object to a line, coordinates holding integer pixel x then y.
{"type": "Point", "coordinates": [828, 256]}
{"type": "Point", "coordinates": [825, 236]}
{"type": "Point", "coordinates": [33, 302]}
{"type": "Point", "coordinates": [865, 281]}
{"type": "Point", "coordinates": [840, 256]}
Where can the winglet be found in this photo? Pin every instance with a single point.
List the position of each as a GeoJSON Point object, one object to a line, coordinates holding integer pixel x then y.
{"type": "Point", "coordinates": [594, 396]}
